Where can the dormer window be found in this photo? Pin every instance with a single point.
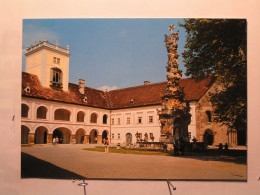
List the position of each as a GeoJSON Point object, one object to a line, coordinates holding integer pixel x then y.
{"type": "Point", "coordinates": [132, 101]}
{"type": "Point", "coordinates": [56, 77]}
{"type": "Point", "coordinates": [85, 99]}
{"type": "Point", "coordinates": [27, 89]}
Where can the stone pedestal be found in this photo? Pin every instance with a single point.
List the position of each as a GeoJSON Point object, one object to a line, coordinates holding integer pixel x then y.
{"type": "Point", "coordinates": [31, 138]}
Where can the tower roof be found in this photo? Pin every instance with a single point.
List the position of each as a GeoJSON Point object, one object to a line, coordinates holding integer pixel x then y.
{"type": "Point", "coordinates": [47, 45]}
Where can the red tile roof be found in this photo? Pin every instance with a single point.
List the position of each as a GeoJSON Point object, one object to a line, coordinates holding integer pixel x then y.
{"type": "Point", "coordinates": [152, 94]}
{"type": "Point", "coordinates": [95, 98]}
{"type": "Point", "coordinates": [143, 95]}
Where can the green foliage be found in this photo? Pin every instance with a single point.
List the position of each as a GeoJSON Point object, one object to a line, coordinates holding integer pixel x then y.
{"type": "Point", "coordinates": [218, 47]}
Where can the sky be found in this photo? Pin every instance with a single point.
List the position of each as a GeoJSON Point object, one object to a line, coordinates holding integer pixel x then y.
{"type": "Point", "coordinates": [109, 53]}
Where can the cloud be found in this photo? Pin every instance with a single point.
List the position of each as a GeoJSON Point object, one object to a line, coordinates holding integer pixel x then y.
{"type": "Point", "coordinates": [32, 33]}
{"type": "Point", "coordinates": [104, 88]}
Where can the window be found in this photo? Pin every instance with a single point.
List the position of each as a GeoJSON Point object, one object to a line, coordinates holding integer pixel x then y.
{"type": "Point", "coordinates": [41, 112]}
{"type": "Point", "coordinates": [56, 77]}
{"type": "Point", "coordinates": [128, 120]}
{"type": "Point", "coordinates": [80, 116]}
{"type": "Point", "coordinates": [56, 60]}
{"type": "Point", "coordinates": [139, 119]}
{"type": "Point", "coordinates": [25, 110]}
{"type": "Point", "coordinates": [93, 118]}
{"type": "Point", "coordinates": [151, 135]}
{"type": "Point", "coordinates": [150, 119]}
{"type": "Point", "coordinates": [209, 115]}
{"type": "Point", "coordinates": [113, 135]}
{"type": "Point", "coordinates": [104, 119]}
{"type": "Point", "coordinates": [112, 121]}
{"type": "Point", "coordinates": [118, 121]}
{"type": "Point", "coordinates": [118, 136]}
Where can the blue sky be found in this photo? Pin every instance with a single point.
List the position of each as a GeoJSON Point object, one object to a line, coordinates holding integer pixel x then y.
{"type": "Point", "coordinates": [114, 53]}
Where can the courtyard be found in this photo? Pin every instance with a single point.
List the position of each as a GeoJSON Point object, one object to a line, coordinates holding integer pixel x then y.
{"type": "Point", "coordinates": [68, 161]}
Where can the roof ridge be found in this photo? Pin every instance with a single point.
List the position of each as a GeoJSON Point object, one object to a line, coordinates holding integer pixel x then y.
{"type": "Point", "coordinates": [137, 86]}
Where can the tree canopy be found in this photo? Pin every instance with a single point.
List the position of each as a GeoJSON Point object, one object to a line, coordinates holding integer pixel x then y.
{"type": "Point", "coordinates": [218, 47]}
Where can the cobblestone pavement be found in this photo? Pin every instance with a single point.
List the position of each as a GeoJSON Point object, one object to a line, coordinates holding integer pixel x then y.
{"type": "Point", "coordinates": [98, 165]}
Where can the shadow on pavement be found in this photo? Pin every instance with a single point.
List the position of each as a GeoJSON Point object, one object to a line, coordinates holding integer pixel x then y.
{"type": "Point", "coordinates": [234, 156]}
{"type": "Point", "coordinates": [32, 167]}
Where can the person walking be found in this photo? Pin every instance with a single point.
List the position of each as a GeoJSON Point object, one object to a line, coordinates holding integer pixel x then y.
{"type": "Point", "coordinates": [106, 146]}
{"type": "Point", "coordinates": [57, 141]}
{"type": "Point", "coordinates": [54, 141]}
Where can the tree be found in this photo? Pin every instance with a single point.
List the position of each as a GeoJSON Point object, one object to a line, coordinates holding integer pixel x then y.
{"type": "Point", "coordinates": [218, 47]}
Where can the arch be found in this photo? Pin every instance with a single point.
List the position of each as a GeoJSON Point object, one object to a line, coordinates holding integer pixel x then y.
{"type": "Point", "coordinates": [105, 119]}
{"type": "Point", "coordinates": [80, 116]}
{"type": "Point", "coordinates": [93, 117]}
{"type": "Point", "coordinates": [104, 135]}
{"type": "Point", "coordinates": [56, 77]}
{"type": "Point", "coordinates": [209, 116]}
{"type": "Point", "coordinates": [64, 135]}
{"type": "Point", "coordinates": [80, 134]}
{"type": "Point", "coordinates": [25, 110]}
{"type": "Point", "coordinates": [62, 114]}
{"type": "Point", "coordinates": [40, 136]}
{"type": "Point", "coordinates": [128, 138]}
{"type": "Point", "coordinates": [41, 112]}
{"type": "Point", "coordinates": [24, 134]}
{"type": "Point", "coordinates": [208, 137]}
{"type": "Point", "coordinates": [93, 136]}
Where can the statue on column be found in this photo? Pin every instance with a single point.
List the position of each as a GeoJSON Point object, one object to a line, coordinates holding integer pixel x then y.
{"type": "Point", "coordinates": [175, 114]}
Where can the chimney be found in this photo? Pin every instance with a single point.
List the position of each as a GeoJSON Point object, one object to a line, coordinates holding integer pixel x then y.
{"type": "Point", "coordinates": [147, 82]}
{"type": "Point", "coordinates": [82, 86]}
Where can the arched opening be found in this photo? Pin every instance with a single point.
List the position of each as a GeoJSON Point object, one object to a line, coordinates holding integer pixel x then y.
{"type": "Point", "coordinates": [40, 135]}
{"type": "Point", "coordinates": [63, 134]}
{"type": "Point", "coordinates": [80, 134]}
{"type": "Point", "coordinates": [128, 139]}
{"type": "Point", "coordinates": [62, 114]}
{"type": "Point", "coordinates": [25, 110]}
{"type": "Point", "coordinates": [208, 137]}
{"type": "Point", "coordinates": [80, 116]}
{"type": "Point", "coordinates": [24, 134]}
{"type": "Point", "coordinates": [42, 112]}
{"type": "Point", "coordinates": [104, 135]}
{"type": "Point", "coordinates": [104, 119]}
{"type": "Point", "coordinates": [56, 77]}
{"type": "Point", "coordinates": [93, 118]}
{"type": "Point", "coordinates": [209, 115]}
{"type": "Point", "coordinates": [93, 136]}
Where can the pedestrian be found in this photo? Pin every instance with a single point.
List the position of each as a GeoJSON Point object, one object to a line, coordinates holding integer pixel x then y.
{"type": "Point", "coordinates": [106, 146]}
{"type": "Point", "coordinates": [53, 141]}
{"type": "Point", "coordinates": [57, 141]}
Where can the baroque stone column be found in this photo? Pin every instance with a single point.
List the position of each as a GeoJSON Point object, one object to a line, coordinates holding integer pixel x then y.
{"type": "Point", "coordinates": [174, 116]}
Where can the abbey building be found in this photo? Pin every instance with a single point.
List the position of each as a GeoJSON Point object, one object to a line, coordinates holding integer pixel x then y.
{"type": "Point", "coordinates": [53, 107]}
